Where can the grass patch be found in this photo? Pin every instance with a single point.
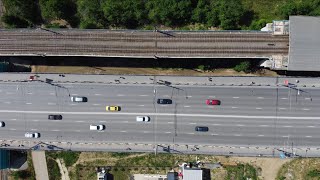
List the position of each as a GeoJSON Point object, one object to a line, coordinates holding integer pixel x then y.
{"type": "Point", "coordinates": [241, 171]}
{"type": "Point", "coordinates": [26, 174]}
{"type": "Point", "coordinates": [68, 157]}
{"type": "Point", "coordinates": [119, 154]}
{"type": "Point", "coordinates": [53, 169]}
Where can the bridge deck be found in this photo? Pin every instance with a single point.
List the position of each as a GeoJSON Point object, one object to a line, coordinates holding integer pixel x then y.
{"type": "Point", "coordinates": [173, 44]}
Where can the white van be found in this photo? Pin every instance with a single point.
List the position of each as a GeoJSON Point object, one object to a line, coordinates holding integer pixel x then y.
{"type": "Point", "coordinates": [142, 118]}
{"type": "Point", "coordinates": [97, 127]}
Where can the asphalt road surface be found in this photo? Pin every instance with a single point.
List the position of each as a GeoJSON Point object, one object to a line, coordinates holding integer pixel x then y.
{"type": "Point", "coordinates": [249, 116]}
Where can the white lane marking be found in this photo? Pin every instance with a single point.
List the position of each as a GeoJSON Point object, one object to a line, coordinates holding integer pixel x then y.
{"type": "Point", "coordinates": [287, 126]}
{"type": "Point", "coordinates": [192, 123]}
{"type": "Point", "coordinates": [52, 93]}
{"type": "Point", "coordinates": [77, 130]}
{"type": "Point", "coordinates": [308, 136]}
{"type": "Point", "coordinates": [263, 125]}
{"type": "Point", "coordinates": [120, 94]}
{"type": "Point", "coordinates": [9, 93]}
{"type": "Point", "coordinates": [212, 96]}
{"type": "Point", "coordinates": [34, 129]}
{"type": "Point", "coordinates": [237, 134]}
{"type": "Point", "coordinates": [13, 119]}
{"type": "Point", "coordinates": [103, 121]}
{"type": "Point", "coordinates": [164, 105]}
{"type": "Point", "coordinates": [79, 121]}
{"type": "Point", "coordinates": [260, 135]}
{"type": "Point", "coordinates": [165, 96]}
{"type": "Point", "coordinates": [167, 132]}
{"type": "Point", "coordinates": [97, 94]}
{"type": "Point", "coordinates": [285, 136]}
{"type": "Point", "coordinates": [141, 105]}
{"type": "Point", "coordinates": [95, 104]}
{"type": "Point", "coordinates": [186, 106]}
{"type": "Point", "coordinates": [35, 120]}
{"type": "Point", "coordinates": [123, 131]}
{"type": "Point", "coordinates": [144, 95]}
{"type": "Point", "coordinates": [145, 131]}
{"type": "Point", "coordinates": [164, 114]}
{"type": "Point", "coordinates": [240, 125]}
{"type": "Point", "coordinates": [50, 103]}
{"type": "Point", "coordinates": [235, 97]}
{"type": "Point", "coordinates": [306, 109]}
{"type": "Point", "coordinates": [234, 107]}
{"type": "Point", "coordinates": [73, 104]}
{"type": "Point", "coordinates": [311, 126]}
{"type": "Point", "coordinates": [282, 108]}
{"type": "Point", "coordinates": [55, 130]}
{"type": "Point", "coordinates": [170, 122]}
{"type": "Point", "coordinates": [7, 102]}
{"type": "Point", "coordinates": [258, 108]}
{"type": "Point", "coordinates": [216, 124]}
{"type": "Point", "coordinates": [29, 93]}
{"type": "Point", "coordinates": [307, 98]}
{"type": "Point", "coordinates": [74, 94]}
{"type": "Point", "coordinates": [260, 97]}
{"type": "Point", "coordinates": [29, 103]}
{"type": "Point", "coordinates": [214, 134]}
{"type": "Point", "coordinates": [284, 98]}
{"type": "Point", "coordinates": [189, 96]}
{"type": "Point", "coordinates": [190, 133]}
{"type": "Point", "coordinates": [13, 129]}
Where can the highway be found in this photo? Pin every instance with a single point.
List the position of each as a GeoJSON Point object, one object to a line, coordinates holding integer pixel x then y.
{"type": "Point", "coordinates": [145, 44]}
{"type": "Point", "coordinates": [248, 116]}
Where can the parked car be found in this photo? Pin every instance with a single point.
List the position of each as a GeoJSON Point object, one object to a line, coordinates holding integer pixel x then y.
{"type": "Point", "coordinates": [2, 124]}
{"type": "Point", "coordinates": [32, 135]}
{"type": "Point", "coordinates": [213, 102]}
{"type": "Point", "coordinates": [143, 118]}
{"type": "Point", "coordinates": [97, 127]}
{"type": "Point", "coordinates": [164, 101]}
{"type": "Point", "coordinates": [113, 108]}
{"type": "Point", "coordinates": [79, 99]}
{"type": "Point", "coordinates": [202, 128]}
{"type": "Point", "coordinates": [55, 117]}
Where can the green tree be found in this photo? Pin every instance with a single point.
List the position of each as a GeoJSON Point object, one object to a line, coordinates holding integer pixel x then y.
{"type": "Point", "coordinates": [230, 13]}
{"type": "Point", "coordinates": [91, 14]}
{"type": "Point", "coordinates": [57, 9]}
{"type": "Point", "coordinates": [243, 66]}
{"type": "Point", "coordinates": [212, 15]}
{"type": "Point", "coordinates": [199, 14]}
{"type": "Point", "coordinates": [21, 13]}
{"type": "Point", "coordinates": [169, 12]}
{"type": "Point", "coordinates": [125, 13]}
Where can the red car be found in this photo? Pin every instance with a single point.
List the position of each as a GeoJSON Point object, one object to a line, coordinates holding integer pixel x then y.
{"type": "Point", "coordinates": [213, 102]}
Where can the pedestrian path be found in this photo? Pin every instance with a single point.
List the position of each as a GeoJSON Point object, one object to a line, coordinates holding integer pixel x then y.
{"type": "Point", "coordinates": [40, 165]}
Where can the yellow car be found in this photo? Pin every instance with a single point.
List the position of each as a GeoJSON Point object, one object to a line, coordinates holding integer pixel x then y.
{"type": "Point", "coordinates": [113, 108]}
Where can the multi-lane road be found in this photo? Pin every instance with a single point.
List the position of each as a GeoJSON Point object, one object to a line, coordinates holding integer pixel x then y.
{"type": "Point", "coordinates": [248, 116]}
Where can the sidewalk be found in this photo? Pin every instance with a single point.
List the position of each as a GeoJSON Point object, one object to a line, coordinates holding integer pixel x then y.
{"type": "Point", "coordinates": [40, 165]}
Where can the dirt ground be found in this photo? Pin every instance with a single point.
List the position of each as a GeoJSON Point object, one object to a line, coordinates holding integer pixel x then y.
{"type": "Point", "coordinates": [144, 71]}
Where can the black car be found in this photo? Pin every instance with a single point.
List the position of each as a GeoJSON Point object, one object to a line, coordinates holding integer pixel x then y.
{"type": "Point", "coordinates": [55, 117]}
{"type": "Point", "coordinates": [202, 128]}
{"type": "Point", "coordinates": [164, 101]}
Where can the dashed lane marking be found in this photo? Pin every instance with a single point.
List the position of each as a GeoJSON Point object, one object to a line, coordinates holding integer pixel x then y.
{"type": "Point", "coordinates": [258, 108]}
{"type": "Point", "coordinates": [144, 95]}
{"type": "Point", "coordinates": [260, 135]}
{"type": "Point", "coordinates": [28, 103]}
{"type": "Point", "coordinates": [311, 126]}
{"type": "Point", "coordinates": [7, 102]}
{"type": "Point", "coordinates": [170, 122]}
{"type": "Point", "coordinates": [120, 94]}
{"type": "Point", "coordinates": [55, 130]}
{"type": "Point", "coordinates": [308, 136]}
{"type": "Point", "coordinates": [34, 129]}
{"type": "Point", "coordinates": [306, 109]}
{"type": "Point", "coordinates": [79, 121]}
{"type": "Point", "coordinates": [13, 119]}
{"type": "Point", "coordinates": [123, 131]}
{"type": "Point", "coordinates": [190, 133]}
{"type": "Point", "coordinates": [260, 97]}
{"type": "Point", "coordinates": [214, 134]}
{"type": "Point", "coordinates": [13, 129]}
{"type": "Point", "coordinates": [216, 124]}
{"type": "Point", "coordinates": [167, 132]}
{"type": "Point", "coordinates": [284, 98]}
{"type": "Point", "coordinates": [74, 94]}
{"type": "Point", "coordinates": [235, 97]}
{"type": "Point", "coordinates": [96, 104]}
{"type": "Point", "coordinates": [237, 134]}
{"type": "Point", "coordinates": [282, 108]}
{"type": "Point", "coordinates": [186, 106]}
{"type": "Point", "coordinates": [97, 94]}
{"type": "Point", "coordinates": [192, 123]}
{"type": "Point", "coordinates": [50, 103]}
{"type": "Point", "coordinates": [240, 125]}
{"type": "Point", "coordinates": [234, 107]}
{"type": "Point", "coordinates": [287, 126]}
{"type": "Point", "coordinates": [141, 105]}
{"type": "Point", "coordinates": [102, 121]}
{"type": "Point", "coordinates": [263, 125]}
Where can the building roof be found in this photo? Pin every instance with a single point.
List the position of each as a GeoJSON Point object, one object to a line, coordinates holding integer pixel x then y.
{"type": "Point", "coordinates": [304, 43]}
{"type": "Point", "coordinates": [192, 174]}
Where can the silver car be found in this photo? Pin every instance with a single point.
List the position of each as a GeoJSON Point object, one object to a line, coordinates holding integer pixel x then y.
{"type": "Point", "coordinates": [32, 135]}
{"type": "Point", "coordinates": [143, 118]}
{"type": "Point", "coordinates": [79, 99]}
{"type": "Point", "coordinates": [99, 127]}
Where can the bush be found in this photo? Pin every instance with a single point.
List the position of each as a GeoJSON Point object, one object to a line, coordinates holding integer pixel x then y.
{"type": "Point", "coordinates": [69, 158]}
{"type": "Point", "coordinates": [53, 169]}
{"type": "Point", "coordinates": [243, 66]}
{"type": "Point", "coordinates": [24, 174]}
{"type": "Point", "coordinates": [314, 173]}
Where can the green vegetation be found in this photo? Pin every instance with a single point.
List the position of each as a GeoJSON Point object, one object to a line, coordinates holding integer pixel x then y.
{"type": "Point", "coordinates": [25, 174]}
{"type": "Point", "coordinates": [314, 173]}
{"type": "Point", "coordinates": [241, 171]}
{"type": "Point", "coordinates": [53, 169]}
{"type": "Point", "coordinates": [243, 66]}
{"type": "Point", "coordinates": [138, 14]}
{"type": "Point", "coordinates": [68, 157]}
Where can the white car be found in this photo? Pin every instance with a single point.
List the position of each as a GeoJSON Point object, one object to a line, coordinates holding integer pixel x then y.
{"type": "Point", "coordinates": [2, 124]}
{"type": "Point", "coordinates": [78, 99]}
{"type": "Point", "coordinates": [99, 127]}
{"type": "Point", "coordinates": [143, 118]}
{"type": "Point", "coordinates": [32, 135]}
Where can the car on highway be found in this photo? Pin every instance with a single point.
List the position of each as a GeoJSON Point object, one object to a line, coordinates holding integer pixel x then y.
{"type": "Point", "coordinates": [202, 128]}
{"type": "Point", "coordinates": [79, 99]}
{"type": "Point", "coordinates": [164, 101]}
{"type": "Point", "coordinates": [32, 135]}
{"type": "Point", "coordinates": [99, 127]}
{"type": "Point", "coordinates": [2, 124]}
{"type": "Point", "coordinates": [143, 119]}
{"type": "Point", "coordinates": [213, 102]}
{"type": "Point", "coordinates": [55, 117]}
{"type": "Point", "coordinates": [113, 108]}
